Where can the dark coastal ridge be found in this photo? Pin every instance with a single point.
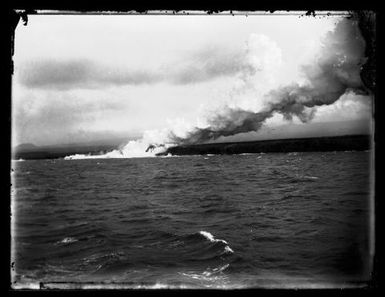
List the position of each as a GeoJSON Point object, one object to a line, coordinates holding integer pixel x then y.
{"type": "Point", "coordinates": [30, 152]}
{"type": "Point", "coordinates": [314, 144]}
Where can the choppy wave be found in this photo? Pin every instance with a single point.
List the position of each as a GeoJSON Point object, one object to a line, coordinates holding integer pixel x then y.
{"type": "Point", "coordinates": [211, 277]}
{"type": "Point", "coordinates": [210, 237]}
{"type": "Point", "coordinates": [189, 222]}
{"type": "Point", "coordinates": [199, 246]}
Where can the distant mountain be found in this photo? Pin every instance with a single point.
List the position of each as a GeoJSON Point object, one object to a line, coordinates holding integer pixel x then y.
{"type": "Point", "coordinates": [108, 142]}
{"type": "Point", "coordinates": [30, 151]}
{"type": "Point", "coordinates": [25, 147]}
{"type": "Point", "coordinates": [115, 142]}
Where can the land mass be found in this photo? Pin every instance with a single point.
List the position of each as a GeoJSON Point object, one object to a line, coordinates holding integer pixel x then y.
{"type": "Point", "coordinates": [314, 144]}
{"type": "Point", "coordinates": [321, 144]}
{"type": "Point", "coordinates": [46, 152]}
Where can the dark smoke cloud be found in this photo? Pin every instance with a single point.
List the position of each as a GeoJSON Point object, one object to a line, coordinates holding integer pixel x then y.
{"type": "Point", "coordinates": [336, 72]}
{"type": "Point", "coordinates": [231, 122]}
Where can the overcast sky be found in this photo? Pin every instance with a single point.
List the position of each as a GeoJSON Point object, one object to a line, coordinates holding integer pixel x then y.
{"type": "Point", "coordinates": [82, 78]}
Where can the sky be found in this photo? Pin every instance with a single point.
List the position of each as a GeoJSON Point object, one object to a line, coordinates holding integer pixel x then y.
{"type": "Point", "coordinates": [81, 78]}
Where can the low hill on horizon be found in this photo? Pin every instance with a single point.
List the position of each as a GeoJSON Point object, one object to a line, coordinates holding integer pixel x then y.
{"type": "Point", "coordinates": [308, 144]}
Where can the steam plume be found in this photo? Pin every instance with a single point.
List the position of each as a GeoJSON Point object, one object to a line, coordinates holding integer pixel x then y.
{"type": "Point", "coordinates": [335, 72]}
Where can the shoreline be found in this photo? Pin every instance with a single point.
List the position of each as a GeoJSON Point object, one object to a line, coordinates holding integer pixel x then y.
{"type": "Point", "coordinates": [314, 144]}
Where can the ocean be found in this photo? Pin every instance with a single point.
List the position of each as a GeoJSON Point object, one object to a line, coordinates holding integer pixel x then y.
{"type": "Point", "coordinates": [274, 220]}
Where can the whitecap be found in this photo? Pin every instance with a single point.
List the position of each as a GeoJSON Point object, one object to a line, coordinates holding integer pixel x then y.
{"type": "Point", "coordinates": [211, 238]}
{"type": "Point", "coordinates": [221, 268]}
{"type": "Point", "coordinates": [213, 276]}
{"type": "Point", "coordinates": [228, 249]}
{"type": "Point", "coordinates": [293, 154]}
{"type": "Point", "coordinates": [157, 286]}
{"type": "Point", "coordinates": [67, 240]}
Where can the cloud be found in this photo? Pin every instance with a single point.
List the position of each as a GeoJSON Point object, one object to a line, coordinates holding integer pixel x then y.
{"type": "Point", "coordinates": [210, 64]}
{"type": "Point", "coordinates": [47, 117]}
{"type": "Point", "coordinates": [78, 74]}
{"type": "Point", "coordinates": [196, 67]}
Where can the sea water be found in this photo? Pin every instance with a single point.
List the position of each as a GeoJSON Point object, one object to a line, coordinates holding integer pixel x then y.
{"type": "Point", "coordinates": [217, 221]}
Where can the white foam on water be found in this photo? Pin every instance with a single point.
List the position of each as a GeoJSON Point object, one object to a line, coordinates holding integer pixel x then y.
{"type": "Point", "coordinates": [210, 277]}
{"type": "Point", "coordinates": [67, 240]}
{"type": "Point", "coordinates": [220, 269]}
{"type": "Point", "coordinates": [211, 238]}
{"type": "Point", "coordinates": [228, 249]}
{"type": "Point", "coordinates": [161, 286]}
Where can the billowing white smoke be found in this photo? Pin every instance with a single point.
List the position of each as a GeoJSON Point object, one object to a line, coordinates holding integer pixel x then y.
{"type": "Point", "coordinates": [334, 72]}
{"type": "Point", "coordinates": [257, 95]}
{"type": "Point", "coordinates": [149, 145]}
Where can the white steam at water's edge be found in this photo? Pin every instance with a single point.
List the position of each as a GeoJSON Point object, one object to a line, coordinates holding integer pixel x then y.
{"type": "Point", "coordinates": [133, 149]}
